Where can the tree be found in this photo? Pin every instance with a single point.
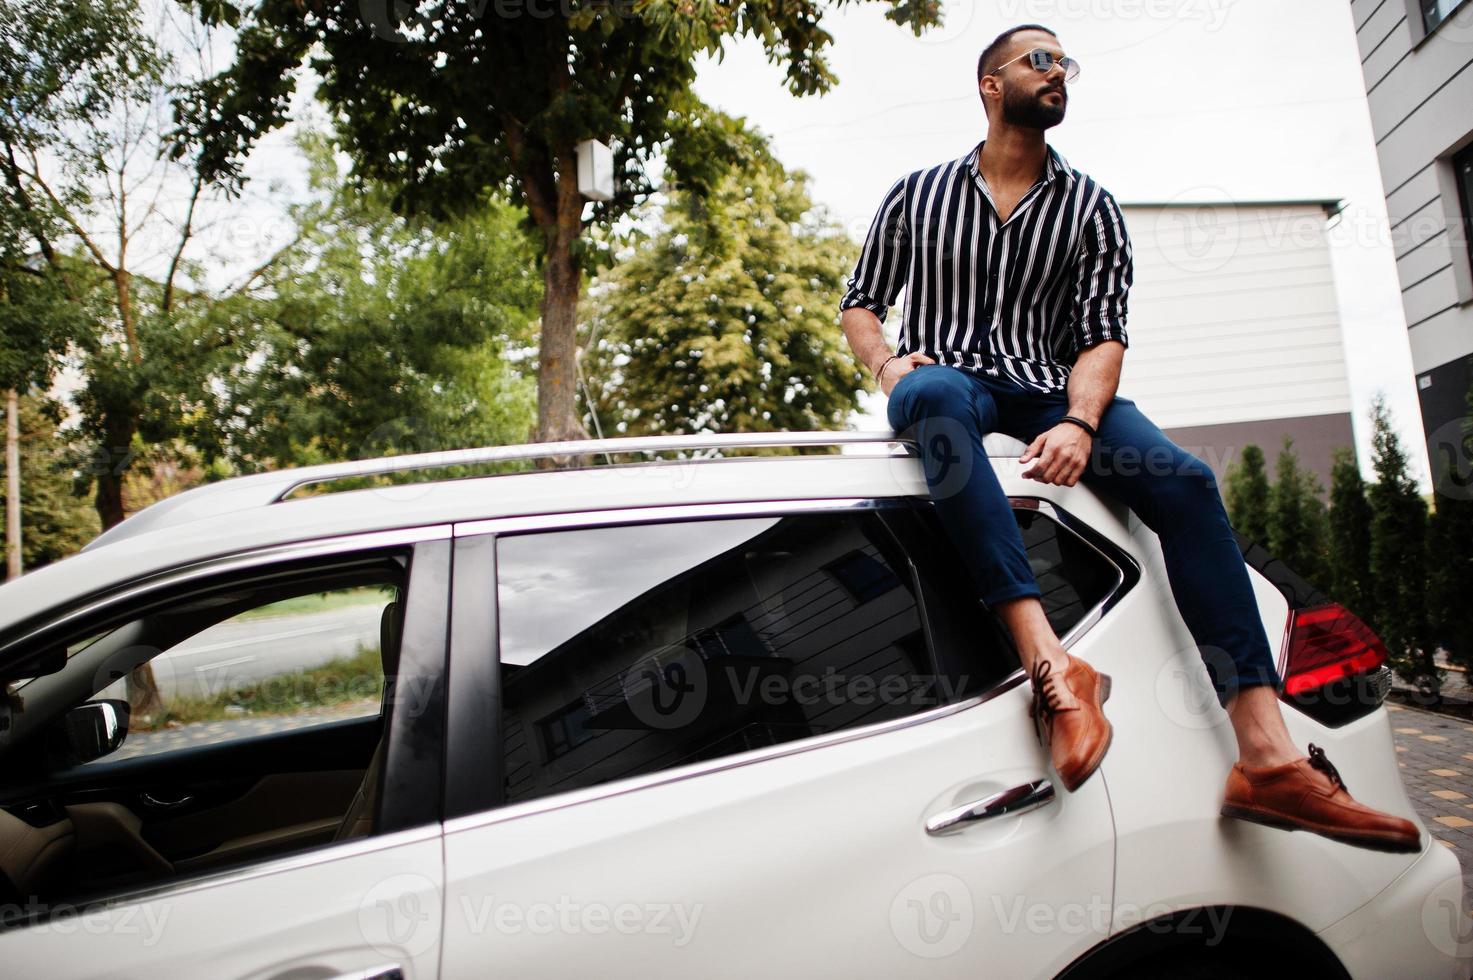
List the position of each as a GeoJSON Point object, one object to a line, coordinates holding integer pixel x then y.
{"type": "Point", "coordinates": [1350, 536]}
{"type": "Point", "coordinates": [1450, 538]}
{"type": "Point", "coordinates": [1399, 554]}
{"type": "Point", "coordinates": [1297, 525]}
{"type": "Point", "coordinates": [61, 60]}
{"type": "Point", "coordinates": [100, 174]}
{"type": "Point", "coordinates": [722, 321]}
{"type": "Point", "coordinates": [372, 334]}
{"type": "Point", "coordinates": [1248, 495]}
{"type": "Point", "coordinates": [57, 520]}
{"type": "Point", "coordinates": [442, 105]}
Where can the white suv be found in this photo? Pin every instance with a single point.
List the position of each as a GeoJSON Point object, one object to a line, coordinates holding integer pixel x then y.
{"type": "Point", "coordinates": [690, 717]}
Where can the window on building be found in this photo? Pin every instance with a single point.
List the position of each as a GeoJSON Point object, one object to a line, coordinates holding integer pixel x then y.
{"type": "Point", "coordinates": [1434, 12]}
{"type": "Point", "coordinates": [1463, 171]}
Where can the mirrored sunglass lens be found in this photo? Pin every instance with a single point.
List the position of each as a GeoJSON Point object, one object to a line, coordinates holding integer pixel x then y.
{"type": "Point", "coordinates": [1041, 59]}
{"type": "Point", "coordinates": [1071, 68]}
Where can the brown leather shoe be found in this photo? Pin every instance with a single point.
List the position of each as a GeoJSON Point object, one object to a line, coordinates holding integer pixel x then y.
{"type": "Point", "coordinates": [1308, 794]}
{"type": "Point", "coordinates": [1076, 737]}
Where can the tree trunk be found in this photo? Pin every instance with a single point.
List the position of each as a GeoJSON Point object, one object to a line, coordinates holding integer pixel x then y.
{"type": "Point", "coordinates": [557, 374]}
{"type": "Point", "coordinates": [113, 460]}
{"type": "Point", "coordinates": [12, 485]}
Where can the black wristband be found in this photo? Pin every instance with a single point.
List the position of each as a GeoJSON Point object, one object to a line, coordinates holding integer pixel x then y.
{"type": "Point", "coordinates": [884, 365]}
{"type": "Point", "coordinates": [1081, 423]}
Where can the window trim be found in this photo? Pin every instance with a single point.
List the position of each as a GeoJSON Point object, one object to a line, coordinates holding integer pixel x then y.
{"type": "Point", "coordinates": [471, 727]}
{"type": "Point", "coordinates": [78, 609]}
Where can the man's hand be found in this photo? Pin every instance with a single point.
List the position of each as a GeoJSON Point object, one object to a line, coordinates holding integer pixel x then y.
{"type": "Point", "coordinates": [1061, 454]}
{"type": "Point", "coordinates": [891, 374]}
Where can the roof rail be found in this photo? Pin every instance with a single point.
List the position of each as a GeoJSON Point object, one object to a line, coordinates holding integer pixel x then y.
{"type": "Point", "coordinates": [244, 493]}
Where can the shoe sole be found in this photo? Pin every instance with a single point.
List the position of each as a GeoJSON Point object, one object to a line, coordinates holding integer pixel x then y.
{"type": "Point", "coordinates": [1394, 845]}
{"type": "Point", "coordinates": [1102, 694]}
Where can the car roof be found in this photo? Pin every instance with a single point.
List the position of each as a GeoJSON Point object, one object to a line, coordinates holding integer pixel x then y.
{"type": "Point", "coordinates": [254, 512]}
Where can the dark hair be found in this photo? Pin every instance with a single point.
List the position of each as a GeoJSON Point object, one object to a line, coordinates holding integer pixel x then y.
{"type": "Point", "coordinates": [992, 54]}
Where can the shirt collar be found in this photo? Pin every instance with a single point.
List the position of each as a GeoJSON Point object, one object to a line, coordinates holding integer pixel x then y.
{"type": "Point", "coordinates": [1054, 166]}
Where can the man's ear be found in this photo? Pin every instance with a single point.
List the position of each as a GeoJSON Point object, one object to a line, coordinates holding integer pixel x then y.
{"type": "Point", "coordinates": [989, 88]}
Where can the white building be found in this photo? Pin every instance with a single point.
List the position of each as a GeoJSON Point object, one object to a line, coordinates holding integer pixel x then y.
{"type": "Point", "coordinates": [1416, 56]}
{"type": "Point", "coordinates": [1234, 328]}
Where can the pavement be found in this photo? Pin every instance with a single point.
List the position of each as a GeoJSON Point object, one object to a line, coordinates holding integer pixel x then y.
{"type": "Point", "coordinates": [1435, 753]}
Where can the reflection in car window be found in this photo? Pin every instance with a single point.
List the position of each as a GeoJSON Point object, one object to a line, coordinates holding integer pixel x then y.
{"type": "Point", "coordinates": [284, 664]}
{"type": "Point", "coordinates": [627, 650]}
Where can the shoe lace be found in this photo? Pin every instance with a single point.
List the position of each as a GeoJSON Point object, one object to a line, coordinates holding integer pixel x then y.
{"type": "Point", "coordinates": [1046, 700]}
{"type": "Point", "coordinates": [1318, 760]}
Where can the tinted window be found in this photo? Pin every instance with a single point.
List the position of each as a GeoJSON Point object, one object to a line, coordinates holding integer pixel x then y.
{"type": "Point", "coordinates": [630, 649]}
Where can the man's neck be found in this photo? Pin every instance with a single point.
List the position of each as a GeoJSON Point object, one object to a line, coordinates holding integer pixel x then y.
{"type": "Point", "coordinates": [1012, 155]}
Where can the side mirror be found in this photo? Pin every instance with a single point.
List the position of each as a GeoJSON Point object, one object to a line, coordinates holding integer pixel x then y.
{"type": "Point", "coordinates": [92, 730]}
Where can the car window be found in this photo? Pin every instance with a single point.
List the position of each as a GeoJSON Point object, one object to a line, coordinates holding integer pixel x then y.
{"type": "Point", "coordinates": [630, 649]}
{"type": "Point", "coordinates": [271, 667]}
{"type": "Point", "coordinates": [1073, 575]}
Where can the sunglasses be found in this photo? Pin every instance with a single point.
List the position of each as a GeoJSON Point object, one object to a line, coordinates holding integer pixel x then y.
{"type": "Point", "coordinates": [1043, 61]}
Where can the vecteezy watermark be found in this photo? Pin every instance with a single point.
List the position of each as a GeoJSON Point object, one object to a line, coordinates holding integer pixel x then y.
{"type": "Point", "coordinates": [1445, 921]}
{"type": "Point", "coordinates": [400, 915]}
{"type": "Point", "coordinates": [1211, 13]}
{"type": "Point", "coordinates": [669, 691]}
{"type": "Point", "coordinates": [401, 20]}
{"type": "Point", "coordinates": [933, 916]}
{"type": "Point", "coordinates": [1097, 915]}
{"type": "Point", "coordinates": [1184, 686]}
{"type": "Point", "coordinates": [144, 920]}
{"type": "Point", "coordinates": [1450, 451]}
{"type": "Point", "coordinates": [566, 916]}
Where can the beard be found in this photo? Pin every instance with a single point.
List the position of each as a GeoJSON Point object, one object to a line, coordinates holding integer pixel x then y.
{"type": "Point", "coordinates": [1030, 111]}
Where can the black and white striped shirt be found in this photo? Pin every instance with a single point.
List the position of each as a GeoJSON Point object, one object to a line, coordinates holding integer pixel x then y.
{"type": "Point", "coordinates": [1020, 298]}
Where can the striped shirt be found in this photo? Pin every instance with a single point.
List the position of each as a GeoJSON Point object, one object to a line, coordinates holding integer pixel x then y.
{"type": "Point", "coordinates": [1019, 298]}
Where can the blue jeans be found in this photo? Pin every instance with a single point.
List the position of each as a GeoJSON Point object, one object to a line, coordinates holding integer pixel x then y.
{"type": "Point", "coordinates": [947, 411]}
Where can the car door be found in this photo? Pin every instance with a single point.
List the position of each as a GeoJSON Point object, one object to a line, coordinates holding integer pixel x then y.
{"type": "Point", "coordinates": [357, 897]}
{"type": "Point", "coordinates": [786, 739]}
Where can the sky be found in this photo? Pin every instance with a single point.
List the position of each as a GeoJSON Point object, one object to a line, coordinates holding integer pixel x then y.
{"type": "Point", "coordinates": [1177, 100]}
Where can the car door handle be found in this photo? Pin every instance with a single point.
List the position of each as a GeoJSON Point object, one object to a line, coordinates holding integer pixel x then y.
{"type": "Point", "coordinates": [388, 971]}
{"type": "Point", "coordinates": [1019, 799]}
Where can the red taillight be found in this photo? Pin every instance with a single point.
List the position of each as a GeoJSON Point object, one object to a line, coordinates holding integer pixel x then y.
{"type": "Point", "coordinates": [1327, 643]}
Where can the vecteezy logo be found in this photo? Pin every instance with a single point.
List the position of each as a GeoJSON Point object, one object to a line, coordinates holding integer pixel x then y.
{"type": "Point", "coordinates": [932, 916]}
{"type": "Point", "coordinates": [665, 691]}
{"type": "Point", "coordinates": [1444, 920]}
{"type": "Point", "coordinates": [1450, 451]}
{"type": "Point", "coordinates": [401, 915]}
{"type": "Point", "coordinates": [1185, 691]}
{"type": "Point", "coordinates": [1197, 235]}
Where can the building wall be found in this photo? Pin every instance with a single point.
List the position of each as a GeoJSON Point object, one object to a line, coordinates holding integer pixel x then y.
{"type": "Point", "coordinates": [1235, 333]}
{"type": "Point", "coordinates": [1419, 86]}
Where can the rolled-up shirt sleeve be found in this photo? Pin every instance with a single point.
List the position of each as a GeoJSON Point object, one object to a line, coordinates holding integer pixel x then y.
{"type": "Point", "coordinates": [1105, 274]}
{"type": "Point", "coordinates": [885, 259]}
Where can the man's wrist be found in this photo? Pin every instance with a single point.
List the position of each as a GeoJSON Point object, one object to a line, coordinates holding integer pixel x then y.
{"type": "Point", "coordinates": [1081, 423]}
{"type": "Point", "coordinates": [880, 371]}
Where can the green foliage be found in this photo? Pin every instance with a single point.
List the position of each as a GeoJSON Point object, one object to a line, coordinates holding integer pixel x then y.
{"type": "Point", "coordinates": [398, 75]}
{"type": "Point", "coordinates": [64, 61]}
{"type": "Point", "coordinates": [722, 321]}
{"type": "Point", "coordinates": [1350, 537]}
{"type": "Point", "coordinates": [376, 335]}
{"type": "Point", "coordinates": [1248, 495]}
{"type": "Point", "coordinates": [1399, 554]}
{"type": "Point", "coordinates": [445, 100]}
{"type": "Point", "coordinates": [55, 520]}
{"type": "Point", "coordinates": [1298, 527]}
